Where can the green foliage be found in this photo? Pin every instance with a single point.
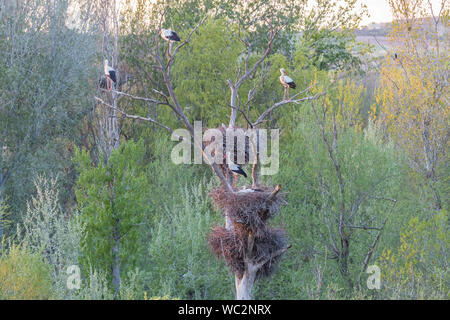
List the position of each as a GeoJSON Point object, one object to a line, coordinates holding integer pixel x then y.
{"type": "Point", "coordinates": [371, 174]}
{"type": "Point", "coordinates": [95, 286]}
{"type": "Point", "coordinates": [332, 50]}
{"type": "Point", "coordinates": [418, 267]}
{"type": "Point", "coordinates": [112, 201]}
{"type": "Point", "coordinates": [4, 220]}
{"type": "Point", "coordinates": [160, 212]}
{"type": "Point", "coordinates": [201, 73]}
{"type": "Point", "coordinates": [44, 93]}
{"type": "Point", "coordinates": [24, 275]}
{"type": "Point", "coordinates": [179, 261]}
{"type": "Point", "coordinates": [47, 230]}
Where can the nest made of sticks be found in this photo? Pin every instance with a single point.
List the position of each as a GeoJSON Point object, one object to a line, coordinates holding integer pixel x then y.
{"type": "Point", "coordinates": [251, 209]}
{"type": "Point", "coordinates": [232, 245]}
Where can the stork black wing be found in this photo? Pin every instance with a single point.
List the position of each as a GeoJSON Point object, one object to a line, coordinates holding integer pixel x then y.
{"type": "Point", "coordinates": [174, 36]}
{"type": "Point", "coordinates": [112, 75]}
{"type": "Point", "coordinates": [240, 171]}
{"type": "Point", "coordinates": [292, 85]}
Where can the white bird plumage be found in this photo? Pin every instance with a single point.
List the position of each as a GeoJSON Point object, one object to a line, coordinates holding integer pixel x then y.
{"type": "Point", "coordinates": [235, 168]}
{"type": "Point", "coordinates": [169, 35]}
{"type": "Point", "coordinates": [287, 83]}
{"type": "Point", "coordinates": [110, 74]}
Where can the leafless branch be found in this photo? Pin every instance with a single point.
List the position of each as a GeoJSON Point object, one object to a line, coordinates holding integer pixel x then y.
{"type": "Point", "coordinates": [243, 114]}
{"type": "Point", "coordinates": [136, 117]}
{"type": "Point", "coordinates": [281, 103]}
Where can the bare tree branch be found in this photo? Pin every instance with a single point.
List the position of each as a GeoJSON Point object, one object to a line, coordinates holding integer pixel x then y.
{"type": "Point", "coordinates": [135, 117]}
{"type": "Point", "coordinates": [281, 103]}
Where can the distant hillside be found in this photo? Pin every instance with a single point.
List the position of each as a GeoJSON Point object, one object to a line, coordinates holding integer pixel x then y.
{"type": "Point", "coordinates": [383, 28]}
{"type": "Point", "coordinates": [376, 33]}
{"type": "Point", "coordinates": [375, 29]}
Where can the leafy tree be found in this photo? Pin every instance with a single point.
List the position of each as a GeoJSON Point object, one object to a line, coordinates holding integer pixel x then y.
{"type": "Point", "coordinates": [346, 177]}
{"type": "Point", "coordinates": [412, 102]}
{"type": "Point", "coordinates": [46, 68]}
{"type": "Point", "coordinates": [332, 50]}
{"type": "Point", "coordinates": [112, 201]}
{"type": "Point", "coordinates": [201, 74]}
{"type": "Point", "coordinates": [327, 35]}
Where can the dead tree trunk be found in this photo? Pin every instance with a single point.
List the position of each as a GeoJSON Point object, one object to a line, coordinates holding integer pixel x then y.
{"type": "Point", "coordinates": [245, 284]}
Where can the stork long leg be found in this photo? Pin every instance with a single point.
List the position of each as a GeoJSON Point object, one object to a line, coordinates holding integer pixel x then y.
{"type": "Point", "coordinates": [288, 92]}
{"type": "Point", "coordinates": [284, 94]}
{"type": "Point", "coordinates": [235, 180]}
{"type": "Point", "coordinates": [168, 51]}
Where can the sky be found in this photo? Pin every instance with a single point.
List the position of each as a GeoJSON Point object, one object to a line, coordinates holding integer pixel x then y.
{"type": "Point", "coordinates": [380, 12]}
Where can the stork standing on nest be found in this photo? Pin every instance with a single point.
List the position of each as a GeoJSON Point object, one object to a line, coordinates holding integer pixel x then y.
{"type": "Point", "coordinates": [235, 168]}
{"type": "Point", "coordinates": [287, 83]}
{"type": "Point", "coordinates": [110, 74]}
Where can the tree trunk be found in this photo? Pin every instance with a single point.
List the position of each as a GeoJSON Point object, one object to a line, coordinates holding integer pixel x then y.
{"type": "Point", "coordinates": [233, 103]}
{"type": "Point", "coordinates": [244, 285]}
{"type": "Point", "coordinates": [343, 261]}
{"type": "Point", "coordinates": [116, 263]}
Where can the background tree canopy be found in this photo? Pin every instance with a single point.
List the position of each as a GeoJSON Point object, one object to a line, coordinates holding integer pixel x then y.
{"type": "Point", "coordinates": [363, 163]}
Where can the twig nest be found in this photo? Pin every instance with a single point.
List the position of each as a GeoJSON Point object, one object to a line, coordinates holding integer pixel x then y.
{"type": "Point", "coordinates": [232, 245]}
{"type": "Point", "coordinates": [229, 245]}
{"type": "Point", "coordinates": [249, 208]}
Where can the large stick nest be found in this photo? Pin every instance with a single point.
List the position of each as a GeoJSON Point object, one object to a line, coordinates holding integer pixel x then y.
{"type": "Point", "coordinates": [232, 245]}
{"type": "Point", "coordinates": [251, 208]}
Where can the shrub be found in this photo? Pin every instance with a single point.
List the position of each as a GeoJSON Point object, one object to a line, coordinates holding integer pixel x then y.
{"type": "Point", "coordinates": [24, 275]}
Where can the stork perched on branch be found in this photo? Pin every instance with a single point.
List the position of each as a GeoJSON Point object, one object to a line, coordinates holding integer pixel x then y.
{"type": "Point", "coordinates": [169, 35]}
{"type": "Point", "coordinates": [110, 74]}
{"type": "Point", "coordinates": [235, 168]}
{"type": "Point", "coordinates": [287, 83]}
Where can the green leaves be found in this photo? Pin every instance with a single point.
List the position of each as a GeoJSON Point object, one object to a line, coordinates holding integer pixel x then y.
{"type": "Point", "coordinates": [201, 72]}
{"type": "Point", "coordinates": [112, 195]}
{"type": "Point", "coordinates": [24, 275]}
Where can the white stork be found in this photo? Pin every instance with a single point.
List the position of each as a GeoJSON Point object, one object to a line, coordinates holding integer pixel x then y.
{"type": "Point", "coordinates": [235, 168]}
{"type": "Point", "coordinates": [287, 83]}
{"type": "Point", "coordinates": [169, 35]}
{"type": "Point", "coordinates": [110, 74]}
